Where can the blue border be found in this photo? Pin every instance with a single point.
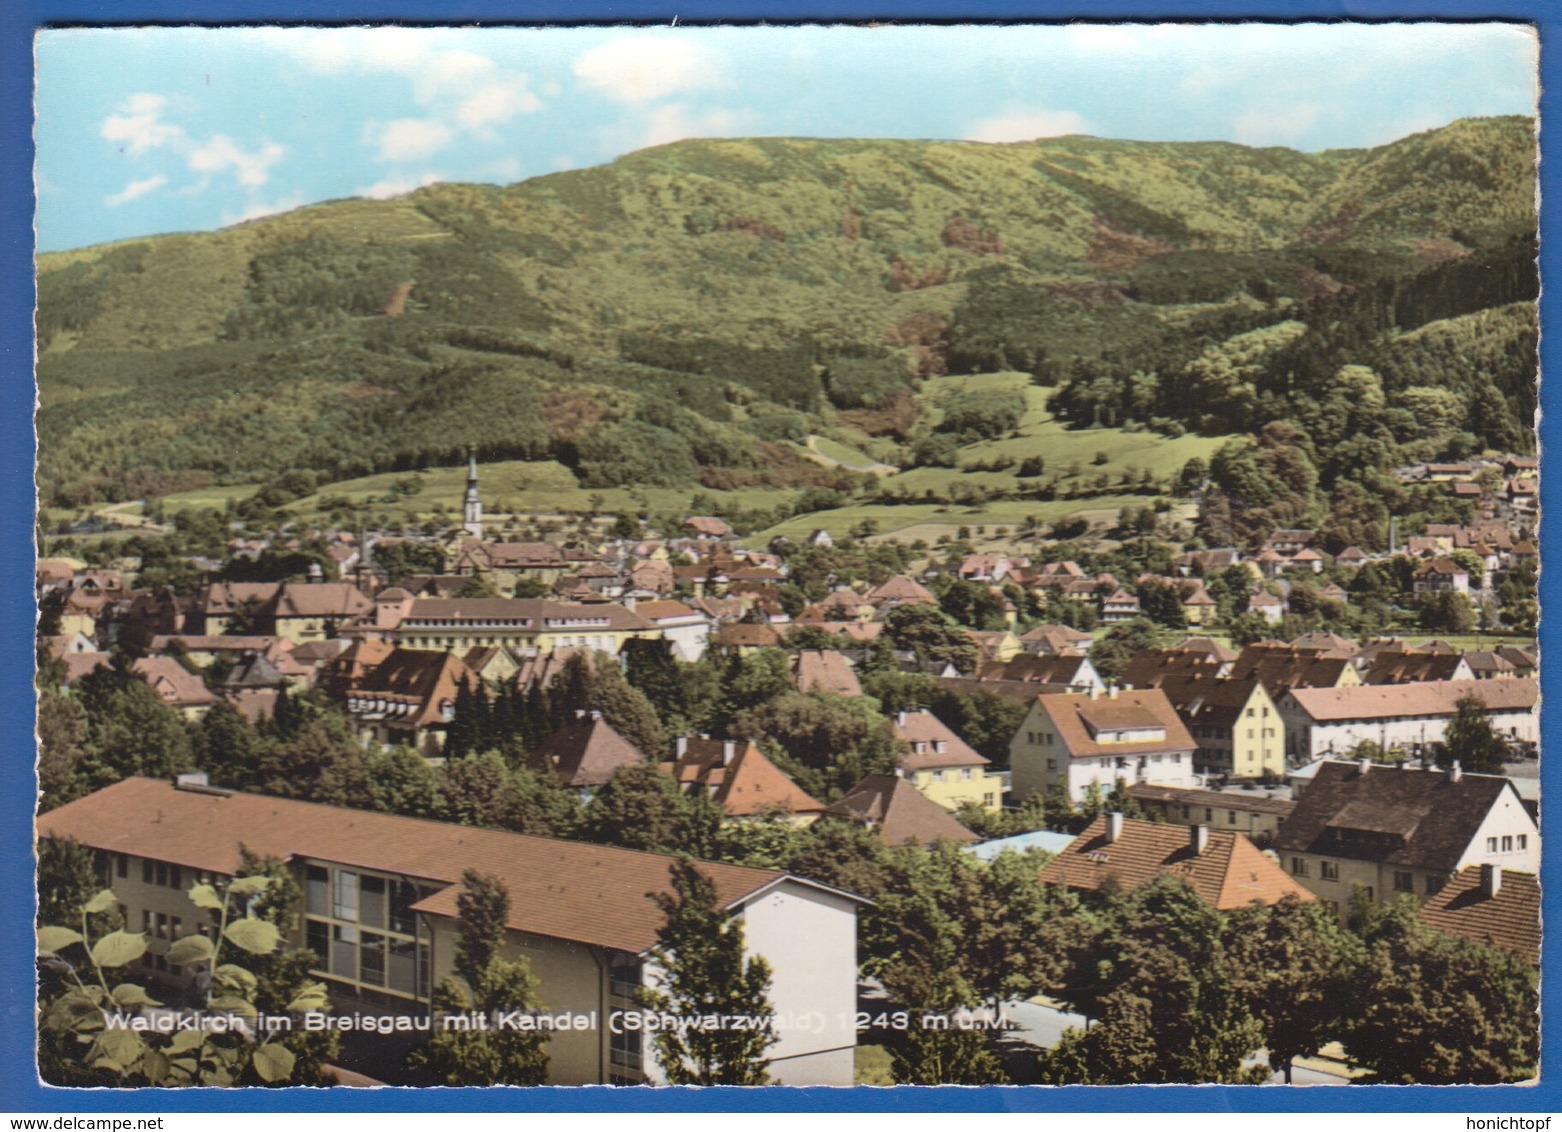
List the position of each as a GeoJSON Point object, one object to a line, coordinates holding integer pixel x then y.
{"type": "Point", "coordinates": [19, 1091]}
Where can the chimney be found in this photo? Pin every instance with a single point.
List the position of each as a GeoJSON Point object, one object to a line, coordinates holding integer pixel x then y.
{"type": "Point", "coordinates": [1198, 838]}
{"type": "Point", "coordinates": [1095, 693]}
{"type": "Point", "coordinates": [1364, 765]}
{"type": "Point", "coordinates": [596, 716]}
{"type": "Point", "coordinates": [628, 602]}
{"type": "Point", "coordinates": [683, 745]}
{"type": "Point", "coordinates": [1111, 692]}
{"type": "Point", "coordinates": [1114, 826]}
{"type": "Point", "coordinates": [728, 749]}
{"type": "Point", "coordinates": [1491, 880]}
{"type": "Point", "coordinates": [1455, 772]}
{"type": "Point", "coordinates": [191, 778]}
{"type": "Point", "coordinates": [900, 719]}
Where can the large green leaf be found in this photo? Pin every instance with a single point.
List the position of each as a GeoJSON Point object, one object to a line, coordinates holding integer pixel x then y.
{"type": "Point", "coordinates": [274, 1062]}
{"type": "Point", "coordinates": [118, 948]}
{"type": "Point", "coordinates": [205, 896]}
{"type": "Point", "coordinates": [128, 994]}
{"type": "Point", "coordinates": [235, 978]}
{"type": "Point", "coordinates": [249, 886]}
{"type": "Point", "coordinates": [311, 996]}
{"type": "Point", "coordinates": [104, 901]}
{"type": "Point", "coordinates": [52, 939]}
{"type": "Point", "coordinates": [186, 1040]}
{"type": "Point", "coordinates": [233, 1004]}
{"type": "Point", "coordinates": [258, 937]}
{"type": "Point", "coordinates": [117, 1050]}
{"type": "Point", "coordinates": [156, 1067]}
{"type": "Point", "coordinates": [191, 949]}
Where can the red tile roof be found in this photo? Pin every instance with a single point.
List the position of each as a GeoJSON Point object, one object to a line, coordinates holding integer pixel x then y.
{"type": "Point", "coordinates": [740, 778]}
{"type": "Point", "coordinates": [899, 812]}
{"type": "Point", "coordinates": [1510, 919]}
{"type": "Point", "coordinates": [586, 752]}
{"type": "Point", "coordinates": [1079, 718]}
{"type": "Point", "coordinates": [824, 670]}
{"type": "Point", "coordinates": [933, 745]}
{"type": "Point", "coordinates": [570, 890]}
{"type": "Point", "coordinates": [1230, 873]}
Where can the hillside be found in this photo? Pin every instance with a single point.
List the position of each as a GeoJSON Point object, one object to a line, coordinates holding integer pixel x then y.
{"type": "Point", "coordinates": [691, 315]}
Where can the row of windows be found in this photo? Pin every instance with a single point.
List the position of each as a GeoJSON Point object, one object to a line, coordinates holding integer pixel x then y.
{"type": "Point", "coordinates": [1404, 881]}
{"type": "Point", "coordinates": [1508, 843]}
{"type": "Point", "coordinates": [964, 774]}
{"type": "Point", "coordinates": [362, 898]}
{"type": "Point", "coordinates": [370, 958]}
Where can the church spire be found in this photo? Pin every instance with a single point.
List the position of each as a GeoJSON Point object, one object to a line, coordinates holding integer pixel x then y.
{"type": "Point", "coordinates": [472, 505]}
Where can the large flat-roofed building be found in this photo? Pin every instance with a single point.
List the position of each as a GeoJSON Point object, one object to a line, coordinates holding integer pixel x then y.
{"type": "Point", "coordinates": [527, 625]}
{"type": "Point", "coordinates": [380, 911]}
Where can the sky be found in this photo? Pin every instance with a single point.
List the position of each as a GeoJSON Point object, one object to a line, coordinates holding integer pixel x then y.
{"type": "Point", "coordinates": [150, 130]}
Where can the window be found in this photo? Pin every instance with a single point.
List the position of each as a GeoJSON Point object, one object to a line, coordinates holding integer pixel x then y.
{"type": "Point", "coordinates": [624, 975]}
{"type": "Point", "coordinates": [175, 926]}
{"type": "Point", "coordinates": [317, 937]}
{"type": "Point", "coordinates": [966, 773]}
{"type": "Point", "coordinates": [371, 959]}
{"type": "Point", "coordinates": [371, 901]}
{"type": "Point", "coordinates": [1329, 870]}
{"type": "Point", "coordinates": [1404, 882]}
{"type": "Point", "coordinates": [938, 776]}
{"type": "Point", "coordinates": [344, 895]}
{"type": "Point", "coordinates": [1052, 764]}
{"type": "Point", "coordinates": [1523, 841]}
{"type": "Point", "coordinates": [626, 1049]}
{"type": "Point", "coordinates": [1491, 845]}
{"type": "Point", "coordinates": [317, 888]}
{"type": "Point", "coordinates": [1434, 884]}
{"type": "Point", "coordinates": [1367, 889]}
{"type": "Point", "coordinates": [146, 870]}
{"type": "Point", "coordinates": [1209, 815]}
{"type": "Point", "coordinates": [1298, 866]}
{"type": "Point", "coordinates": [175, 877]}
{"type": "Point", "coordinates": [1231, 817]}
{"type": "Point", "coordinates": [403, 966]}
{"type": "Point", "coordinates": [162, 925]}
{"type": "Point", "coordinates": [146, 922]}
{"type": "Point", "coordinates": [1507, 844]}
{"type": "Point", "coordinates": [1185, 811]}
{"type": "Point", "coordinates": [162, 874]}
{"type": "Point", "coordinates": [344, 951]}
{"type": "Point", "coordinates": [121, 865]}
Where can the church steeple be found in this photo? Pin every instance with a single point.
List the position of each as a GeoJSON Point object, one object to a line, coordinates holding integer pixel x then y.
{"type": "Point", "coordinates": [472, 506]}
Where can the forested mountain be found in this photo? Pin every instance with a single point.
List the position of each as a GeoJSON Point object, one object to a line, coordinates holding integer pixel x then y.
{"type": "Point", "coordinates": [672, 317]}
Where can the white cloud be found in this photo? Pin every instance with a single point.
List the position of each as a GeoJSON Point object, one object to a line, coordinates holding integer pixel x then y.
{"type": "Point", "coordinates": [411, 139]}
{"type": "Point", "coordinates": [496, 104]}
{"type": "Point", "coordinates": [1026, 125]}
{"type": "Point", "coordinates": [397, 186]}
{"type": "Point", "coordinates": [135, 190]}
{"type": "Point", "coordinates": [565, 161]}
{"type": "Point", "coordinates": [644, 68]}
{"type": "Point", "coordinates": [1276, 127]}
{"type": "Point", "coordinates": [138, 125]}
{"type": "Point", "coordinates": [678, 121]}
{"type": "Point", "coordinates": [506, 169]}
{"type": "Point", "coordinates": [221, 154]}
{"type": "Point", "coordinates": [257, 209]}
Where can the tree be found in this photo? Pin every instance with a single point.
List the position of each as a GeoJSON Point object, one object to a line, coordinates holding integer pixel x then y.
{"type": "Point", "coordinates": [1470, 740]}
{"type": "Point", "coordinates": [639, 807]}
{"type": "Point", "coordinates": [78, 1046]}
{"type": "Point", "coordinates": [1446, 612]}
{"type": "Point", "coordinates": [704, 971]}
{"type": "Point", "coordinates": [1111, 653]}
{"type": "Point", "coordinates": [1433, 1009]}
{"type": "Point", "coordinates": [931, 636]}
{"type": "Point", "coordinates": [487, 984]}
{"type": "Point", "coordinates": [1289, 963]}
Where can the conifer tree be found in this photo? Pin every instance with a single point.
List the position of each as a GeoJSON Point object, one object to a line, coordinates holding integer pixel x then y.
{"type": "Point", "coordinates": [705, 972]}
{"type": "Point", "coordinates": [485, 983]}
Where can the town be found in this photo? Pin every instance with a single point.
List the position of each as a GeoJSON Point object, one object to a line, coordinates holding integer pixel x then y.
{"type": "Point", "coordinates": [1125, 806]}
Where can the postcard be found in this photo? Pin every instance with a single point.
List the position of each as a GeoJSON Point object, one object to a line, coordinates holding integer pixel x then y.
{"type": "Point", "coordinates": [982, 555]}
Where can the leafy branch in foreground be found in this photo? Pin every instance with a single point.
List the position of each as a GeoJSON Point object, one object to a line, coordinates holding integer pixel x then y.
{"type": "Point", "coordinates": [95, 1029]}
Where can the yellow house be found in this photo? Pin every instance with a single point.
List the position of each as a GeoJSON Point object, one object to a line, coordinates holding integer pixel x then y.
{"type": "Point", "coordinates": [1239, 732]}
{"type": "Point", "coordinates": [942, 767]}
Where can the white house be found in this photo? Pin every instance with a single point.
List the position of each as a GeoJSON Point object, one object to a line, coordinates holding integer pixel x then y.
{"type": "Point", "coordinates": [1334, 721]}
{"type": "Point", "coordinates": [1075, 740]}
{"type": "Point", "coordinates": [1384, 831]}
